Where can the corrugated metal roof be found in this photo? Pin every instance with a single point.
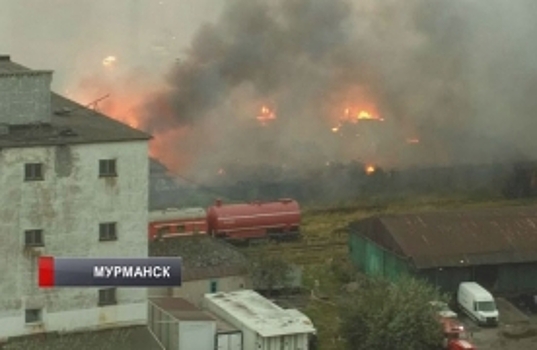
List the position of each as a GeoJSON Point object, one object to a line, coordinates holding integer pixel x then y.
{"type": "Point", "coordinates": [260, 314]}
{"type": "Point", "coordinates": [470, 237]}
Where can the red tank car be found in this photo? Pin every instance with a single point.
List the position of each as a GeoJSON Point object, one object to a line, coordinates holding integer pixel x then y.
{"type": "Point", "coordinates": [274, 220]}
{"type": "Point", "coordinates": [177, 222]}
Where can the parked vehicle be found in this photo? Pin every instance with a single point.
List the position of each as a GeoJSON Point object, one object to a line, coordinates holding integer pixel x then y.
{"type": "Point", "coordinates": [177, 222]}
{"type": "Point", "coordinates": [277, 220]}
{"type": "Point", "coordinates": [477, 303]}
{"type": "Point", "coordinates": [443, 309]}
{"type": "Point", "coordinates": [455, 336]}
{"type": "Point", "coordinates": [460, 344]}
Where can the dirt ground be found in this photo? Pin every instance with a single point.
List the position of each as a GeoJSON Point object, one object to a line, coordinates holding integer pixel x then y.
{"type": "Point", "coordinates": [517, 330]}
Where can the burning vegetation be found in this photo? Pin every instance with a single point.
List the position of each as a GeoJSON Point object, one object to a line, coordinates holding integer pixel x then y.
{"type": "Point", "coordinates": [346, 81]}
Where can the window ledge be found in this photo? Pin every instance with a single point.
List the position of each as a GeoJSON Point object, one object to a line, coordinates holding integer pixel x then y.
{"type": "Point", "coordinates": [107, 304]}
{"type": "Point", "coordinates": [33, 324]}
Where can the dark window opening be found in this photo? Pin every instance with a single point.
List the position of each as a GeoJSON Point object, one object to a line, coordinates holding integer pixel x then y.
{"type": "Point", "coordinates": [33, 172]}
{"type": "Point", "coordinates": [32, 315]}
{"type": "Point", "coordinates": [33, 238]}
{"type": "Point", "coordinates": [162, 231]}
{"type": "Point", "coordinates": [180, 228]}
{"type": "Point", "coordinates": [107, 231]}
{"type": "Point", "coordinates": [214, 286]}
{"type": "Point", "coordinates": [107, 297]}
{"type": "Point", "coordinates": [107, 168]}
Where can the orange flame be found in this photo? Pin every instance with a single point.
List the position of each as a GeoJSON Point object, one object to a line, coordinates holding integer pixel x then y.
{"type": "Point", "coordinates": [413, 141]}
{"type": "Point", "coordinates": [369, 169]}
{"type": "Point", "coordinates": [266, 115]}
{"type": "Point", "coordinates": [361, 115]}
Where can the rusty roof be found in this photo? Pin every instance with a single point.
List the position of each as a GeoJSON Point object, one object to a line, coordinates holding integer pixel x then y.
{"type": "Point", "coordinates": [203, 257]}
{"type": "Point", "coordinates": [181, 309]}
{"type": "Point", "coordinates": [469, 237]}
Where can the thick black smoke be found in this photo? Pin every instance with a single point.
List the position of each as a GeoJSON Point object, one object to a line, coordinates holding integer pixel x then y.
{"type": "Point", "coordinates": [459, 75]}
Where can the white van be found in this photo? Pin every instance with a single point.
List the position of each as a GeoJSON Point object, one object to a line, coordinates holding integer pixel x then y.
{"type": "Point", "coordinates": [477, 303]}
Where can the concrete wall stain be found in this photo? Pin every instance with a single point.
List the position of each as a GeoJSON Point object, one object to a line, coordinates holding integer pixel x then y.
{"type": "Point", "coordinates": [64, 161]}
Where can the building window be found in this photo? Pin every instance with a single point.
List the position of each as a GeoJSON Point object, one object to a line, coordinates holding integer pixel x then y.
{"type": "Point", "coordinates": [181, 229]}
{"type": "Point", "coordinates": [33, 172]}
{"type": "Point", "coordinates": [107, 296]}
{"type": "Point", "coordinates": [107, 168]}
{"type": "Point", "coordinates": [214, 286]}
{"type": "Point", "coordinates": [108, 231]}
{"type": "Point", "coordinates": [32, 316]}
{"type": "Point", "coordinates": [33, 238]}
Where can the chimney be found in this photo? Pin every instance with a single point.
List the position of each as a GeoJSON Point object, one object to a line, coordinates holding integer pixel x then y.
{"type": "Point", "coordinates": [25, 95]}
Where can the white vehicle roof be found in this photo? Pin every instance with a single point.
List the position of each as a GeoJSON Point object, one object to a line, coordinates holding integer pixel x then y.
{"type": "Point", "coordinates": [479, 292]}
{"type": "Point", "coordinates": [260, 314]}
{"type": "Point", "coordinates": [176, 214]}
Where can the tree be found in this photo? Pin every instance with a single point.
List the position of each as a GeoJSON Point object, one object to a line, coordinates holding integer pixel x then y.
{"type": "Point", "coordinates": [391, 316]}
{"type": "Point", "coordinates": [269, 272]}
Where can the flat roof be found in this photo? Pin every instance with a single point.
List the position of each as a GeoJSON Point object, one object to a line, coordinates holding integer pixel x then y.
{"type": "Point", "coordinates": [260, 314]}
{"type": "Point", "coordinates": [180, 309]}
{"type": "Point", "coordinates": [118, 338]}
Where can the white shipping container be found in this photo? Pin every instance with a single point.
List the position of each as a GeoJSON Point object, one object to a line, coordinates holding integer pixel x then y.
{"type": "Point", "coordinates": [229, 341]}
{"type": "Point", "coordinates": [179, 325]}
{"type": "Point", "coordinates": [265, 325]}
{"type": "Point", "coordinates": [196, 335]}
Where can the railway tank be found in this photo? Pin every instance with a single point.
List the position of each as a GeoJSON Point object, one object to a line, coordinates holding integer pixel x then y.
{"type": "Point", "coordinates": [277, 220]}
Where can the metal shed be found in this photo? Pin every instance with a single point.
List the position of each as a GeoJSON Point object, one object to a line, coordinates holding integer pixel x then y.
{"type": "Point", "coordinates": [265, 325]}
{"type": "Point", "coordinates": [179, 325]}
{"type": "Point", "coordinates": [496, 247]}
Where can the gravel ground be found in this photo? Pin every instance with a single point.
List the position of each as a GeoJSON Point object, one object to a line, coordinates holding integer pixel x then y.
{"type": "Point", "coordinates": [517, 331]}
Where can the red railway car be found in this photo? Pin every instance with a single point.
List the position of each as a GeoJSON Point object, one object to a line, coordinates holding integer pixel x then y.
{"type": "Point", "coordinates": [279, 220]}
{"type": "Point", "coordinates": [177, 222]}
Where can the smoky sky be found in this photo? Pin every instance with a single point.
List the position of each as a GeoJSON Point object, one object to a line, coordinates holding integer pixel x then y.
{"type": "Point", "coordinates": [460, 75]}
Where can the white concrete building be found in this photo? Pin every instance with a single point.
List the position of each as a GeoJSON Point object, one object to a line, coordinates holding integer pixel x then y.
{"type": "Point", "coordinates": [74, 183]}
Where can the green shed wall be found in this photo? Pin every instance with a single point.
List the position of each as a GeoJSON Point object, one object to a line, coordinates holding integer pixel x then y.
{"type": "Point", "coordinates": [517, 278]}
{"type": "Point", "coordinates": [510, 278]}
{"type": "Point", "coordinates": [373, 260]}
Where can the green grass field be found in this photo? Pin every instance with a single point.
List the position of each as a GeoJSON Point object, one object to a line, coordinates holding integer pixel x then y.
{"type": "Point", "coordinates": [327, 225]}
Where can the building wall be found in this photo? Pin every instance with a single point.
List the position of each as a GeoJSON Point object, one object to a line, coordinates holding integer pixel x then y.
{"type": "Point", "coordinates": [193, 291]}
{"type": "Point", "coordinates": [372, 259]}
{"type": "Point", "coordinates": [68, 206]}
{"type": "Point", "coordinates": [25, 98]}
{"type": "Point", "coordinates": [500, 279]}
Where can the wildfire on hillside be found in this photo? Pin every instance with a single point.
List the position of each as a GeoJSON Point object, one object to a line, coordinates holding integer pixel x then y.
{"type": "Point", "coordinates": [353, 117]}
{"type": "Point", "coordinates": [370, 169]}
{"type": "Point", "coordinates": [267, 115]}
